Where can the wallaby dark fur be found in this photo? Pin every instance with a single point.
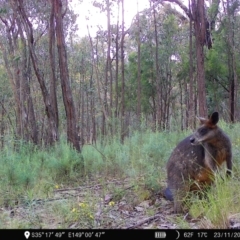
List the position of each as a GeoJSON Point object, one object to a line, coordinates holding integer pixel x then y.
{"type": "Point", "coordinates": [193, 162]}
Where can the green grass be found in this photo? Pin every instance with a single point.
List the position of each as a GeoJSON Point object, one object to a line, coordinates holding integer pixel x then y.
{"type": "Point", "coordinates": [221, 202]}
{"type": "Point", "coordinates": [29, 173]}
{"type": "Point", "coordinates": [36, 172]}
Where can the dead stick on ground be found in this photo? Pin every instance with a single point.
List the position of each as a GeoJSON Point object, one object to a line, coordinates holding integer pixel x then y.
{"type": "Point", "coordinates": [76, 189]}
{"type": "Point", "coordinates": [149, 219]}
{"type": "Point", "coordinates": [84, 187]}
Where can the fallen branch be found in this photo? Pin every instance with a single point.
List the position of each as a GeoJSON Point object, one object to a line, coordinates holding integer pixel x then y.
{"type": "Point", "coordinates": [76, 189]}
{"type": "Point", "coordinates": [84, 187]}
{"type": "Point", "coordinates": [146, 220]}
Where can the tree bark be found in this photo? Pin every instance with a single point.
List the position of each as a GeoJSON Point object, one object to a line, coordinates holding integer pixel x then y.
{"type": "Point", "coordinates": [117, 63]}
{"type": "Point", "coordinates": [108, 73]}
{"type": "Point", "coordinates": [139, 87]}
{"type": "Point", "coordinates": [191, 80]}
{"type": "Point", "coordinates": [72, 133]}
{"type": "Point", "coordinates": [53, 78]}
{"type": "Point", "coordinates": [123, 127]}
{"type": "Point", "coordinates": [158, 80]}
{"type": "Point", "coordinates": [2, 122]}
{"type": "Point", "coordinates": [200, 31]}
{"type": "Point", "coordinates": [233, 80]}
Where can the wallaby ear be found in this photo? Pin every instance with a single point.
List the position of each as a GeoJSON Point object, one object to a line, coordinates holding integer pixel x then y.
{"type": "Point", "coordinates": [214, 118]}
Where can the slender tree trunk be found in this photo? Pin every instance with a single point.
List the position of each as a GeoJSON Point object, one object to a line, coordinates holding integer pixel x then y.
{"type": "Point", "coordinates": [109, 75]}
{"type": "Point", "coordinates": [198, 11]}
{"type": "Point", "coordinates": [191, 80]}
{"type": "Point", "coordinates": [83, 136]}
{"type": "Point", "coordinates": [158, 81]}
{"type": "Point", "coordinates": [72, 133]}
{"type": "Point", "coordinates": [186, 102]}
{"type": "Point", "coordinates": [153, 94]}
{"type": "Point", "coordinates": [181, 103]}
{"type": "Point", "coordinates": [139, 87]}
{"type": "Point", "coordinates": [231, 63]}
{"type": "Point", "coordinates": [92, 109]}
{"type": "Point", "coordinates": [123, 127]}
{"type": "Point", "coordinates": [117, 63]}
{"type": "Point", "coordinates": [87, 117]}
{"type": "Point", "coordinates": [97, 75]}
{"type": "Point", "coordinates": [53, 78]}
{"type": "Point", "coordinates": [168, 96]}
{"type": "Point", "coordinates": [2, 123]}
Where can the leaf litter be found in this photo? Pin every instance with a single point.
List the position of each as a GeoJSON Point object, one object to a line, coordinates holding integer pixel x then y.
{"type": "Point", "coordinates": [111, 210]}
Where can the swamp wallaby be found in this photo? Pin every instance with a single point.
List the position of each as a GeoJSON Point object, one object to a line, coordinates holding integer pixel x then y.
{"type": "Point", "coordinates": [193, 162]}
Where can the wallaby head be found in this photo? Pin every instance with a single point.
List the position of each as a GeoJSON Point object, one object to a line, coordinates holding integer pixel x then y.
{"type": "Point", "coordinates": [207, 131]}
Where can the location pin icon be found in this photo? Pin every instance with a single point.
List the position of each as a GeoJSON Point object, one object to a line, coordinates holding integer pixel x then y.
{"type": "Point", "coordinates": [27, 234]}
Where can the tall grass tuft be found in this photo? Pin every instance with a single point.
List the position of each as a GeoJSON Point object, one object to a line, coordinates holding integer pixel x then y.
{"type": "Point", "coordinates": [36, 170]}
{"type": "Point", "coordinates": [221, 202]}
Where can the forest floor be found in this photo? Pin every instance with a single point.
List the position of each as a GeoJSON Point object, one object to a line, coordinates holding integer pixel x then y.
{"type": "Point", "coordinates": [98, 206]}
{"type": "Point", "coordinates": [121, 188]}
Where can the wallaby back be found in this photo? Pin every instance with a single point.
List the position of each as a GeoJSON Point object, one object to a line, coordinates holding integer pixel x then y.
{"type": "Point", "coordinates": [193, 162]}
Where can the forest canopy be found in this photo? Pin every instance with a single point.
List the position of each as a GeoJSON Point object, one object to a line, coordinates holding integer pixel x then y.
{"type": "Point", "coordinates": [177, 60]}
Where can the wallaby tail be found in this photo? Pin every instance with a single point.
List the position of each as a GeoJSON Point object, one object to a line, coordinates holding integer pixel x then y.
{"type": "Point", "coordinates": [168, 194]}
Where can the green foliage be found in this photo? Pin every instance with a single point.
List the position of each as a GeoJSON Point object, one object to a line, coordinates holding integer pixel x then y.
{"type": "Point", "coordinates": [216, 64]}
{"type": "Point", "coordinates": [167, 48]}
{"type": "Point", "coordinates": [147, 76]}
{"type": "Point", "coordinates": [30, 169]}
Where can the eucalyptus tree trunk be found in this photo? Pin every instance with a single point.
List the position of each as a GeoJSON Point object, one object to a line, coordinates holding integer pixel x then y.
{"type": "Point", "coordinates": [198, 11]}
{"type": "Point", "coordinates": [139, 87]}
{"type": "Point", "coordinates": [108, 71]}
{"type": "Point", "coordinates": [52, 57]}
{"type": "Point", "coordinates": [72, 133]}
{"type": "Point", "coordinates": [2, 122]}
{"type": "Point", "coordinates": [232, 72]}
{"type": "Point", "coordinates": [123, 127]}
{"type": "Point", "coordinates": [117, 63]}
{"type": "Point", "coordinates": [190, 115]}
{"type": "Point", "coordinates": [158, 77]}
{"type": "Point", "coordinates": [92, 101]}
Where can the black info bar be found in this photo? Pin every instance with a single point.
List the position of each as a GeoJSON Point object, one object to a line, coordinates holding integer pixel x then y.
{"type": "Point", "coordinates": [147, 234]}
